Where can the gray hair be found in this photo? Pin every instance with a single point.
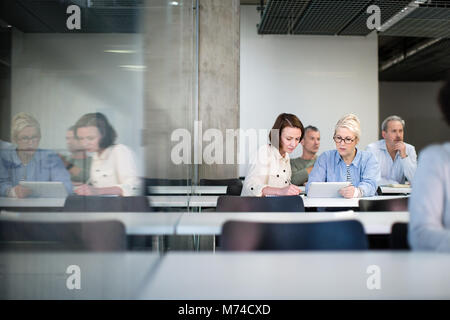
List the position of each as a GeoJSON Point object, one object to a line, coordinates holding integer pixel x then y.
{"type": "Point", "coordinates": [20, 122]}
{"type": "Point", "coordinates": [391, 118]}
{"type": "Point", "coordinates": [350, 122]}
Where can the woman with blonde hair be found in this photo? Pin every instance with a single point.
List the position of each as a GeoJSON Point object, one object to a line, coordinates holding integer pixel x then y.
{"type": "Point", "coordinates": [27, 162]}
{"type": "Point", "coordinates": [347, 163]}
{"type": "Point", "coordinates": [270, 170]}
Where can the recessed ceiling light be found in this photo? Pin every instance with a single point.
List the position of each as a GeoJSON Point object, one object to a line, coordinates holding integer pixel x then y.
{"type": "Point", "coordinates": [120, 51]}
{"type": "Point", "coordinates": [173, 3]}
{"type": "Point", "coordinates": [133, 67]}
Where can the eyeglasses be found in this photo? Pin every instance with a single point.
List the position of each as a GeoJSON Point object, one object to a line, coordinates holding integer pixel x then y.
{"type": "Point", "coordinates": [28, 139]}
{"type": "Point", "coordinates": [347, 140]}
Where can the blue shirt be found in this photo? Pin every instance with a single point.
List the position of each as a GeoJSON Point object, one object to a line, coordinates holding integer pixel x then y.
{"type": "Point", "coordinates": [397, 170]}
{"type": "Point", "coordinates": [364, 171]}
{"type": "Point", "coordinates": [44, 166]}
{"type": "Point", "coordinates": [429, 205]}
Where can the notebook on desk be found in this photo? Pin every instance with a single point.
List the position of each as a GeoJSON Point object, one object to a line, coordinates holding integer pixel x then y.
{"type": "Point", "coordinates": [326, 189]}
{"type": "Point", "coordinates": [45, 189]}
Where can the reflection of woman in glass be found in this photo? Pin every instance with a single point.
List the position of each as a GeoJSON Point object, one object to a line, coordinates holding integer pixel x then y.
{"type": "Point", "coordinates": [27, 162]}
{"type": "Point", "coordinates": [113, 168]}
{"type": "Point", "coordinates": [347, 163]}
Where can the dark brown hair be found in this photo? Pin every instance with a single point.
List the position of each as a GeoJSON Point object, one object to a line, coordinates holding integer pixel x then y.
{"type": "Point", "coordinates": [444, 100]}
{"type": "Point", "coordinates": [100, 121]}
{"type": "Point", "coordinates": [285, 120]}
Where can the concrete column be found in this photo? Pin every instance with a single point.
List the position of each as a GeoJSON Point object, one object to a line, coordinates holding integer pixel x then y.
{"type": "Point", "coordinates": [219, 46]}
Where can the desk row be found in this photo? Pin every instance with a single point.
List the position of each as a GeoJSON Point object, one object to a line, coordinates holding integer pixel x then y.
{"type": "Point", "coordinates": [210, 223]}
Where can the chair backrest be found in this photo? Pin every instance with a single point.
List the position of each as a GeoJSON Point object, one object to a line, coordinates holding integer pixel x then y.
{"type": "Point", "coordinates": [68, 236]}
{"type": "Point", "coordinates": [334, 235]}
{"type": "Point", "coordinates": [106, 204]}
{"type": "Point", "coordinates": [234, 186]}
{"type": "Point", "coordinates": [399, 236]}
{"type": "Point", "coordinates": [260, 204]}
{"type": "Point", "coordinates": [399, 204]}
{"type": "Point", "coordinates": [167, 182]}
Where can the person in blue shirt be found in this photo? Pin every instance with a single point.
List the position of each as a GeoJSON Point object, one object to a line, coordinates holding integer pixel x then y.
{"type": "Point", "coordinates": [429, 205]}
{"type": "Point", "coordinates": [347, 163]}
{"type": "Point", "coordinates": [27, 162]}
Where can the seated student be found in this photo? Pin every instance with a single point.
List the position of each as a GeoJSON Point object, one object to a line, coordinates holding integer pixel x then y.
{"type": "Point", "coordinates": [270, 169]}
{"type": "Point", "coordinates": [27, 162]}
{"type": "Point", "coordinates": [347, 163]}
{"type": "Point", "coordinates": [397, 159]}
{"type": "Point", "coordinates": [429, 205]}
{"type": "Point", "coordinates": [77, 163]}
{"type": "Point", "coordinates": [113, 167]}
{"type": "Point", "coordinates": [301, 167]}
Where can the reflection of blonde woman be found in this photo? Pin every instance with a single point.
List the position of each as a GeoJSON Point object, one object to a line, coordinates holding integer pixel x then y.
{"type": "Point", "coordinates": [270, 172]}
{"type": "Point", "coordinates": [347, 163]}
{"type": "Point", "coordinates": [113, 168]}
{"type": "Point", "coordinates": [27, 162]}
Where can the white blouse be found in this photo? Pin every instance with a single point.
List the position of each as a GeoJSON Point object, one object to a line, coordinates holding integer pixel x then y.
{"type": "Point", "coordinates": [116, 167]}
{"type": "Point", "coordinates": [267, 169]}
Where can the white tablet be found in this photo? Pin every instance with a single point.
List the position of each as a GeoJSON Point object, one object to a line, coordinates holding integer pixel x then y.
{"type": "Point", "coordinates": [45, 189]}
{"type": "Point", "coordinates": [326, 189]}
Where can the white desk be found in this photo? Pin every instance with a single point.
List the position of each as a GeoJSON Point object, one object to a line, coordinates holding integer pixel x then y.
{"type": "Point", "coordinates": [211, 223]}
{"type": "Point", "coordinates": [191, 201]}
{"type": "Point", "coordinates": [341, 202]}
{"type": "Point", "coordinates": [32, 202]}
{"type": "Point", "coordinates": [136, 223]}
{"type": "Point", "coordinates": [188, 190]}
{"type": "Point", "coordinates": [390, 190]}
{"type": "Point", "coordinates": [103, 275]}
{"type": "Point", "coordinates": [315, 275]}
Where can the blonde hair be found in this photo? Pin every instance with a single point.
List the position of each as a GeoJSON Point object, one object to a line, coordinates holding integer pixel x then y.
{"type": "Point", "coordinates": [20, 122]}
{"type": "Point", "coordinates": [350, 122]}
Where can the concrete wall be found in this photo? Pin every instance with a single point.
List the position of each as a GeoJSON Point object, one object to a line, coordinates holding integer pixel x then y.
{"type": "Point", "coordinates": [318, 78]}
{"type": "Point", "coordinates": [219, 49]}
{"type": "Point", "coordinates": [416, 103]}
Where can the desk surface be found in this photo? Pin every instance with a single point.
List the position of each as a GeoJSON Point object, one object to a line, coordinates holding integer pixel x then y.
{"type": "Point", "coordinates": [211, 223]}
{"type": "Point", "coordinates": [103, 275]}
{"type": "Point", "coordinates": [318, 275]}
{"type": "Point", "coordinates": [136, 223]}
{"type": "Point", "coordinates": [185, 201]}
{"type": "Point", "coordinates": [184, 190]}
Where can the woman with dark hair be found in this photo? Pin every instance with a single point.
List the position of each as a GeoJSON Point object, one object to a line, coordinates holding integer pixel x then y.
{"type": "Point", "coordinates": [113, 168]}
{"type": "Point", "coordinates": [270, 168]}
{"type": "Point", "coordinates": [429, 205]}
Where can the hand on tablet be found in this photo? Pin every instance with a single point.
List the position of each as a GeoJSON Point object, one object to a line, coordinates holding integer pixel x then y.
{"type": "Point", "coordinates": [21, 191]}
{"type": "Point", "coordinates": [347, 192]}
{"type": "Point", "coordinates": [85, 190]}
{"type": "Point", "coordinates": [290, 190]}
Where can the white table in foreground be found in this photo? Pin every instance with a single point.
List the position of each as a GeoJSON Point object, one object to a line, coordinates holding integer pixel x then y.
{"type": "Point", "coordinates": [136, 223]}
{"type": "Point", "coordinates": [302, 275]}
{"type": "Point", "coordinates": [211, 223]}
{"type": "Point", "coordinates": [102, 275]}
{"type": "Point", "coordinates": [185, 190]}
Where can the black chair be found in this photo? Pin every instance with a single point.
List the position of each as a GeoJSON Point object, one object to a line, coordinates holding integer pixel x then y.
{"type": "Point", "coordinates": [399, 204]}
{"type": "Point", "coordinates": [167, 182]}
{"type": "Point", "coordinates": [67, 236]}
{"type": "Point", "coordinates": [399, 236]}
{"type": "Point", "coordinates": [234, 186]}
{"type": "Point", "coordinates": [106, 204]}
{"type": "Point", "coordinates": [260, 204]}
{"type": "Point", "coordinates": [335, 235]}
